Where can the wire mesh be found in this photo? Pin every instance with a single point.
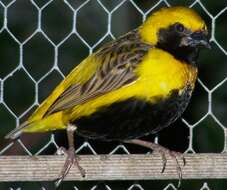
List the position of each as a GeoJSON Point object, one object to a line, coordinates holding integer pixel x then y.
{"type": "Point", "coordinates": [62, 42]}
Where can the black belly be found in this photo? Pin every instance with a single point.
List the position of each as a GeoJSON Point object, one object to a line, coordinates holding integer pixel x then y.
{"type": "Point", "coordinates": [133, 118]}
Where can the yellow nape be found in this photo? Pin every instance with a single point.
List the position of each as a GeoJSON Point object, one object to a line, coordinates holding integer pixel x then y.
{"type": "Point", "coordinates": [168, 16]}
{"type": "Point", "coordinates": [158, 74]}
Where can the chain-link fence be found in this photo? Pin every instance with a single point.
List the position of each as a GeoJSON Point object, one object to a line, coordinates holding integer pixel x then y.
{"type": "Point", "coordinates": [41, 41]}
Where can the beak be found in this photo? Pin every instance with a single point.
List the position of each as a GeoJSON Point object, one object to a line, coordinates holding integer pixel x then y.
{"type": "Point", "coordinates": [196, 39]}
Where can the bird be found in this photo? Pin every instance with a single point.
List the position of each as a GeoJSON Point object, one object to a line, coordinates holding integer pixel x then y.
{"type": "Point", "coordinates": [133, 86]}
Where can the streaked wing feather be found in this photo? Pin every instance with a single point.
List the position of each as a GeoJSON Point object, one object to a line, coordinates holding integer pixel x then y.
{"type": "Point", "coordinates": [119, 59]}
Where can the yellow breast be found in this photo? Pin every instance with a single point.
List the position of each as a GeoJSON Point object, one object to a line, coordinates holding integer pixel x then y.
{"type": "Point", "coordinates": [160, 73]}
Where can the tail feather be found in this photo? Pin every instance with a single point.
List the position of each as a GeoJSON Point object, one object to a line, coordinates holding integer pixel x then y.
{"type": "Point", "coordinates": [14, 134]}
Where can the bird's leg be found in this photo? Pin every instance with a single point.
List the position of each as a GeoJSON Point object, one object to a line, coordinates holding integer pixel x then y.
{"type": "Point", "coordinates": [163, 151]}
{"type": "Point", "coordinates": [71, 157]}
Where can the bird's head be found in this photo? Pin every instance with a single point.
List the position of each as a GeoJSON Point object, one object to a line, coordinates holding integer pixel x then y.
{"type": "Point", "coordinates": [175, 29]}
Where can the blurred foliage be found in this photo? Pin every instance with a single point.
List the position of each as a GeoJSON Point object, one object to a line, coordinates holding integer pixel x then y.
{"type": "Point", "coordinates": [92, 20]}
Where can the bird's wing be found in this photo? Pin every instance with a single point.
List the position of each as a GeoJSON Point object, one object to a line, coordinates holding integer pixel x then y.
{"type": "Point", "coordinates": [118, 60]}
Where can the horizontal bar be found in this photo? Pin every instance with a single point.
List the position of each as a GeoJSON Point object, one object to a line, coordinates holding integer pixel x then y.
{"type": "Point", "coordinates": [113, 167]}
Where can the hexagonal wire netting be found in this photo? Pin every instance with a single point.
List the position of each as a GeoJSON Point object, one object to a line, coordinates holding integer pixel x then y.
{"type": "Point", "coordinates": [41, 41]}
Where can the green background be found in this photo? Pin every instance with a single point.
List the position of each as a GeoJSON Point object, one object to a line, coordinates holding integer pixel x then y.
{"type": "Point", "coordinates": [19, 90]}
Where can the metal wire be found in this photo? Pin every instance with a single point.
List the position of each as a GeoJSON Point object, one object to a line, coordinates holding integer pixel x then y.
{"type": "Point", "coordinates": [55, 67]}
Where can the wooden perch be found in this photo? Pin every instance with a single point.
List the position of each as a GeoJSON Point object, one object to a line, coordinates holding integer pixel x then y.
{"type": "Point", "coordinates": [112, 167]}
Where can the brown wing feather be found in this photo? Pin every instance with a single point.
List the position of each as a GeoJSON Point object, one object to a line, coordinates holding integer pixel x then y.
{"type": "Point", "coordinates": [119, 58]}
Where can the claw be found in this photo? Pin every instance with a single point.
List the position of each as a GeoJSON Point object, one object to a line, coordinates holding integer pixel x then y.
{"type": "Point", "coordinates": [70, 160]}
{"type": "Point", "coordinates": [179, 172]}
{"type": "Point", "coordinates": [163, 151]}
{"type": "Point", "coordinates": [71, 157]}
{"type": "Point", "coordinates": [184, 161]}
{"type": "Point", "coordinates": [164, 162]}
{"type": "Point", "coordinates": [178, 168]}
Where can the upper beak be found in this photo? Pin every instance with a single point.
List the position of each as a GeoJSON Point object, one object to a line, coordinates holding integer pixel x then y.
{"type": "Point", "coordinates": [196, 39]}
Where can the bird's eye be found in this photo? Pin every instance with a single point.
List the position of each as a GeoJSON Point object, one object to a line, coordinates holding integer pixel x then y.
{"type": "Point", "coordinates": [179, 27]}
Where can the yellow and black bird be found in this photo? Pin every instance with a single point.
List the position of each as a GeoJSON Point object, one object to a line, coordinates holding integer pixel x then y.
{"type": "Point", "coordinates": [133, 86]}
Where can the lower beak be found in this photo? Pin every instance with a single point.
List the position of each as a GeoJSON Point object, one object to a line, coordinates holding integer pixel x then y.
{"type": "Point", "coordinates": [196, 39]}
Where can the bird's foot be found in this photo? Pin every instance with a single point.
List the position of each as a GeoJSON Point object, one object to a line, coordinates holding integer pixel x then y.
{"type": "Point", "coordinates": [164, 153]}
{"type": "Point", "coordinates": [70, 160]}
{"type": "Point", "coordinates": [173, 155]}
